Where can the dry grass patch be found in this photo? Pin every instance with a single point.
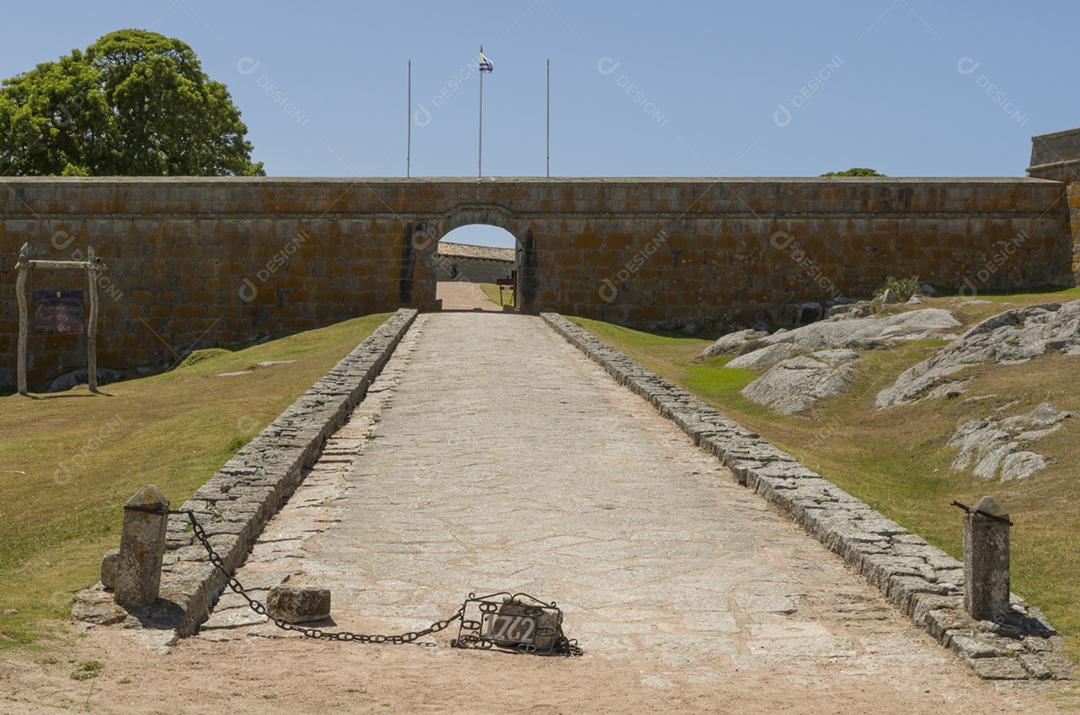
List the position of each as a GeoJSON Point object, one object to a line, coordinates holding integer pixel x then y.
{"type": "Point", "coordinates": [72, 459]}
{"type": "Point", "coordinates": [491, 291]}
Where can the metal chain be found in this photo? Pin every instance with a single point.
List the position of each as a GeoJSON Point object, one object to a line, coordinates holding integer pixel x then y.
{"type": "Point", "coordinates": [260, 608]}
{"type": "Point", "coordinates": [569, 646]}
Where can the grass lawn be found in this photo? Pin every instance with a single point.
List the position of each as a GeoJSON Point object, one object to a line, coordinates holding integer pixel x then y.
{"type": "Point", "coordinates": [72, 459]}
{"type": "Point", "coordinates": [897, 460]}
{"type": "Point", "coordinates": [492, 292]}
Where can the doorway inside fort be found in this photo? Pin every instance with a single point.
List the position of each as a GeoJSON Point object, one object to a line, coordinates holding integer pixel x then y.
{"type": "Point", "coordinates": [477, 268]}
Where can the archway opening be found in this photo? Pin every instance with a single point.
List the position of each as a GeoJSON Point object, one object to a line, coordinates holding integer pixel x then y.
{"type": "Point", "coordinates": [477, 269]}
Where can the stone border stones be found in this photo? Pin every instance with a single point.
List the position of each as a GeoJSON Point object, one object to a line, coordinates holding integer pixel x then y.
{"type": "Point", "coordinates": [924, 581]}
{"type": "Point", "coordinates": [237, 502]}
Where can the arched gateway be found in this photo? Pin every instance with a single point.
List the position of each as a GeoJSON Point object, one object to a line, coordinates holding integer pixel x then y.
{"type": "Point", "coordinates": [427, 234]}
{"type": "Point", "coordinates": [196, 262]}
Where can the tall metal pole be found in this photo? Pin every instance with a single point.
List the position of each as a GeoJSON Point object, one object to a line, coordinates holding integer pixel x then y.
{"type": "Point", "coordinates": [480, 146]}
{"type": "Point", "coordinates": [408, 119]}
{"type": "Point", "coordinates": [548, 165]}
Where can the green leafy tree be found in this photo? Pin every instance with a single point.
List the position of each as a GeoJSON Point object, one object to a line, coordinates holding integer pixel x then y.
{"type": "Point", "coordinates": [135, 103]}
{"type": "Point", "coordinates": [854, 171]}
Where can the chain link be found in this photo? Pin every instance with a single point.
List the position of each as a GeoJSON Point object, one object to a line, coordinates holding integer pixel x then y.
{"type": "Point", "coordinates": [260, 608]}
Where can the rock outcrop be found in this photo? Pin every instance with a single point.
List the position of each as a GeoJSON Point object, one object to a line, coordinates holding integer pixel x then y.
{"type": "Point", "coordinates": [1011, 337]}
{"type": "Point", "coordinates": [997, 448]}
{"type": "Point", "coordinates": [796, 384]}
{"type": "Point", "coordinates": [733, 342]}
{"type": "Point", "coordinates": [762, 358]}
{"type": "Point", "coordinates": [848, 333]}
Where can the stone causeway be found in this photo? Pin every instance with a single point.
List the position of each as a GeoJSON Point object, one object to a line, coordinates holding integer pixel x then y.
{"type": "Point", "coordinates": [236, 503]}
{"type": "Point", "coordinates": [248, 492]}
{"type": "Point", "coordinates": [920, 579]}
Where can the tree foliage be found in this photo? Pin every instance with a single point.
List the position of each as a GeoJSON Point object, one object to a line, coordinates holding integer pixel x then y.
{"type": "Point", "coordinates": [134, 103]}
{"type": "Point", "coordinates": [854, 171]}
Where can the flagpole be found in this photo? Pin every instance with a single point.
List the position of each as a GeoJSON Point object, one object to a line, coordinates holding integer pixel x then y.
{"type": "Point", "coordinates": [480, 145]}
{"type": "Point", "coordinates": [548, 166]}
{"type": "Point", "coordinates": [408, 120]}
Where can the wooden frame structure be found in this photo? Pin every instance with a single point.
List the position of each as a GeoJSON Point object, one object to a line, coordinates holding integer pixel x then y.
{"type": "Point", "coordinates": [92, 266]}
{"type": "Point", "coordinates": [509, 284]}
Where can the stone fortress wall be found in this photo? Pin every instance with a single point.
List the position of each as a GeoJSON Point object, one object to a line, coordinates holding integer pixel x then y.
{"type": "Point", "coordinates": [1057, 156]}
{"type": "Point", "coordinates": [202, 262]}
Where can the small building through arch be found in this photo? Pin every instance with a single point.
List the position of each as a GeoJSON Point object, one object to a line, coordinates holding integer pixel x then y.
{"type": "Point", "coordinates": [477, 269]}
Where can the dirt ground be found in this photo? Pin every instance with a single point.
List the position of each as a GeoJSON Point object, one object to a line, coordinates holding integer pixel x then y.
{"type": "Point", "coordinates": [457, 295]}
{"type": "Point", "coordinates": [687, 592]}
{"type": "Point", "coordinates": [260, 675]}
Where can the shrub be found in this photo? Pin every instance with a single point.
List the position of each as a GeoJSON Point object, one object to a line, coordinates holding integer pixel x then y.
{"type": "Point", "coordinates": [854, 171]}
{"type": "Point", "coordinates": [902, 288]}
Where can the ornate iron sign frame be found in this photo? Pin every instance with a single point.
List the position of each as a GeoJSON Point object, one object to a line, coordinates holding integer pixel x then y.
{"type": "Point", "coordinates": [518, 623]}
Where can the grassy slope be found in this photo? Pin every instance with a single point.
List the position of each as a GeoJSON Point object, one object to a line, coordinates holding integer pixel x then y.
{"type": "Point", "coordinates": [897, 460]}
{"type": "Point", "coordinates": [72, 459]}
{"type": "Point", "coordinates": [492, 292]}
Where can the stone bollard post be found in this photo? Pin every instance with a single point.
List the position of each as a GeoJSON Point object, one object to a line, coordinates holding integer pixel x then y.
{"type": "Point", "coordinates": [142, 549]}
{"type": "Point", "coordinates": [986, 560]}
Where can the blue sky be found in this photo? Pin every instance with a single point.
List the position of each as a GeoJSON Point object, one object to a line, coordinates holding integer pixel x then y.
{"type": "Point", "coordinates": [769, 88]}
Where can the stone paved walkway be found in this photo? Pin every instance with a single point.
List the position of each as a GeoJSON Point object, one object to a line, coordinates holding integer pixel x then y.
{"type": "Point", "coordinates": [491, 455]}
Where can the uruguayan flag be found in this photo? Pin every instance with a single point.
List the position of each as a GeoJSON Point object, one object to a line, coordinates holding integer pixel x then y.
{"type": "Point", "coordinates": [486, 65]}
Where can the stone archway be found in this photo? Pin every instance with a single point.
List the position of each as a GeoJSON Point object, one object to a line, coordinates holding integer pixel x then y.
{"type": "Point", "coordinates": [431, 232]}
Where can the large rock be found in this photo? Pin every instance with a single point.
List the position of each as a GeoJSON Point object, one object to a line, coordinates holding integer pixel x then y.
{"type": "Point", "coordinates": [763, 357]}
{"type": "Point", "coordinates": [298, 604]}
{"type": "Point", "coordinates": [733, 342]}
{"type": "Point", "coordinates": [868, 333]}
{"type": "Point", "coordinates": [110, 564]}
{"type": "Point", "coordinates": [854, 309]}
{"type": "Point", "coordinates": [96, 605]}
{"type": "Point", "coordinates": [848, 333]}
{"type": "Point", "coordinates": [1011, 337]}
{"type": "Point", "coordinates": [795, 384]}
{"type": "Point", "coordinates": [996, 448]}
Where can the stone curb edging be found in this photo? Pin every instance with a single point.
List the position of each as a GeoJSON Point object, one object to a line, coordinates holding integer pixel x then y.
{"type": "Point", "coordinates": [238, 501]}
{"type": "Point", "coordinates": [924, 581]}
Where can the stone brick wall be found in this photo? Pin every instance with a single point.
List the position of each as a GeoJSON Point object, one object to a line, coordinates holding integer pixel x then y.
{"type": "Point", "coordinates": [202, 262]}
{"type": "Point", "coordinates": [1073, 194]}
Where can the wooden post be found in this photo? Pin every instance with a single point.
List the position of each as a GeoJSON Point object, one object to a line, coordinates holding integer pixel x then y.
{"type": "Point", "coordinates": [91, 324]}
{"type": "Point", "coordinates": [23, 268]}
{"type": "Point", "coordinates": [91, 267]}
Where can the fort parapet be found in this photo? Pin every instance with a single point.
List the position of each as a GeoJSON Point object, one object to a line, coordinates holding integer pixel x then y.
{"type": "Point", "coordinates": [199, 262]}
